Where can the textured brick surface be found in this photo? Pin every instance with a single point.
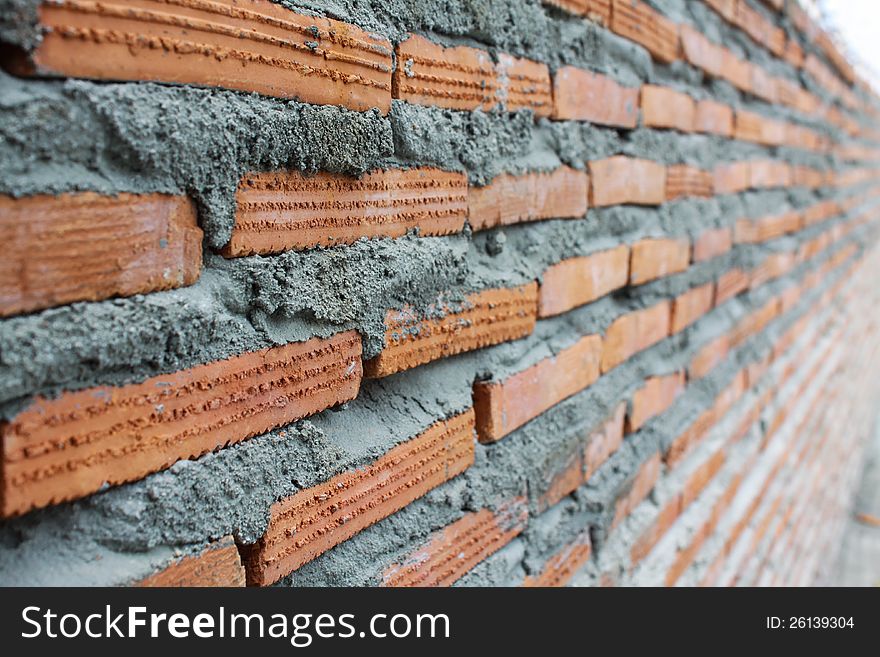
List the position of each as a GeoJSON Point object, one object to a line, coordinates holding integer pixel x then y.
{"type": "Point", "coordinates": [64, 448]}
{"type": "Point", "coordinates": [577, 281]}
{"type": "Point", "coordinates": [86, 247]}
{"type": "Point", "coordinates": [619, 179]}
{"type": "Point", "coordinates": [686, 181]}
{"type": "Point", "coordinates": [315, 519]}
{"type": "Point", "coordinates": [217, 565]}
{"type": "Point", "coordinates": [633, 332]}
{"type": "Point", "coordinates": [252, 45]}
{"type": "Point", "coordinates": [488, 318]}
{"type": "Point", "coordinates": [587, 96]}
{"type": "Point", "coordinates": [281, 211]}
{"type": "Point", "coordinates": [635, 20]}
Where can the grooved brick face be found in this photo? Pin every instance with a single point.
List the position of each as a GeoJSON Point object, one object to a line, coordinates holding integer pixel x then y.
{"type": "Point", "coordinates": [667, 108]}
{"type": "Point", "coordinates": [690, 306]}
{"type": "Point", "coordinates": [87, 247]}
{"type": "Point", "coordinates": [712, 243]}
{"type": "Point", "coordinates": [281, 211]}
{"type": "Point", "coordinates": [636, 21]}
{"type": "Point", "coordinates": [512, 199]}
{"type": "Point", "coordinates": [713, 118]}
{"type": "Point", "coordinates": [654, 258]}
{"type": "Point", "coordinates": [315, 519]}
{"type": "Point", "coordinates": [247, 45]}
{"type": "Point", "coordinates": [217, 565]}
{"type": "Point", "coordinates": [686, 181]}
{"type": "Point", "coordinates": [457, 548]}
{"type": "Point", "coordinates": [524, 84]}
{"type": "Point", "coordinates": [657, 395]}
{"type": "Point", "coordinates": [65, 448]}
{"type": "Point", "coordinates": [634, 332]}
{"type": "Point", "coordinates": [503, 406]}
{"type": "Point", "coordinates": [620, 179]}
{"type": "Point", "coordinates": [586, 96]}
{"type": "Point", "coordinates": [489, 317]}
{"type": "Point", "coordinates": [577, 281]}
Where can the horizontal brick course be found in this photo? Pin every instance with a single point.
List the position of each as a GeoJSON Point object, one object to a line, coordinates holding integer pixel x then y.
{"type": "Point", "coordinates": [654, 258]}
{"type": "Point", "coordinates": [655, 396]}
{"type": "Point", "coordinates": [586, 96]}
{"type": "Point", "coordinates": [636, 21]}
{"type": "Point", "coordinates": [577, 281]}
{"type": "Point", "coordinates": [633, 332]}
{"type": "Point", "coordinates": [688, 307]}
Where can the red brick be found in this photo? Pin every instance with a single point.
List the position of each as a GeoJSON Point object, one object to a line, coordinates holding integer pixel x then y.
{"type": "Point", "coordinates": [736, 71]}
{"type": "Point", "coordinates": [769, 173]}
{"type": "Point", "coordinates": [523, 84]}
{"type": "Point", "coordinates": [65, 448]}
{"type": "Point", "coordinates": [758, 129]}
{"type": "Point", "coordinates": [655, 531]}
{"type": "Point", "coordinates": [252, 45]}
{"type": "Point", "coordinates": [606, 440]}
{"type": "Point", "coordinates": [563, 565]}
{"type": "Point", "coordinates": [620, 179]}
{"type": "Point", "coordinates": [636, 21]}
{"type": "Point", "coordinates": [87, 247]}
{"type": "Point", "coordinates": [315, 519]}
{"type": "Point", "coordinates": [820, 212]}
{"type": "Point", "coordinates": [217, 565]}
{"type": "Point", "coordinates": [653, 398]}
{"type": "Point", "coordinates": [514, 199]}
{"type": "Point", "coordinates": [708, 357]}
{"type": "Point", "coordinates": [631, 333]}
{"type": "Point", "coordinates": [730, 284]}
{"type": "Point", "coordinates": [457, 548]}
{"type": "Point", "coordinates": [666, 108]}
{"type": "Point", "coordinates": [683, 444]}
{"type": "Point", "coordinates": [793, 53]}
{"type": "Point", "coordinates": [488, 317]}
{"type": "Point", "coordinates": [725, 8]}
{"type": "Point", "coordinates": [639, 488]}
{"type": "Point", "coordinates": [289, 210]}
{"type": "Point", "coordinates": [732, 178]}
{"type": "Point", "coordinates": [713, 118]}
{"type": "Point", "coordinates": [655, 258]}
{"type": "Point", "coordinates": [690, 306]}
{"type": "Point", "coordinates": [764, 85]}
{"type": "Point", "coordinates": [577, 281]}
{"type": "Point", "coordinates": [712, 243]}
{"type": "Point", "coordinates": [686, 181]}
{"type": "Point", "coordinates": [502, 406]}
{"type": "Point", "coordinates": [598, 11]}
{"type": "Point", "coordinates": [700, 478]}
{"type": "Point", "coordinates": [751, 231]}
{"type": "Point", "coordinates": [701, 52]}
{"type": "Point", "coordinates": [586, 96]}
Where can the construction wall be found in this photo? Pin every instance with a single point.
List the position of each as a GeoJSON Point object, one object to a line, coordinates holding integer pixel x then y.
{"type": "Point", "coordinates": [431, 292]}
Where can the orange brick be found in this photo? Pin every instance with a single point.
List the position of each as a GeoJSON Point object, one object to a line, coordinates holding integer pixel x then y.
{"type": "Point", "coordinates": [712, 243]}
{"type": "Point", "coordinates": [456, 549]}
{"type": "Point", "coordinates": [217, 565]}
{"type": "Point", "coordinates": [586, 96]}
{"type": "Point", "coordinates": [606, 440]}
{"type": "Point", "coordinates": [620, 179]}
{"type": "Point", "coordinates": [598, 11]}
{"type": "Point", "coordinates": [513, 199]}
{"type": "Point", "coordinates": [577, 281]}
{"type": "Point", "coordinates": [708, 357]}
{"type": "Point", "coordinates": [755, 128]}
{"type": "Point", "coordinates": [666, 108]}
{"type": "Point", "coordinates": [725, 8]}
{"type": "Point", "coordinates": [730, 284]}
{"type": "Point", "coordinates": [769, 173]}
{"type": "Point", "coordinates": [87, 247]}
{"type": "Point", "coordinates": [690, 306]}
{"type": "Point", "coordinates": [701, 52]}
{"type": "Point", "coordinates": [289, 210]}
{"type": "Point", "coordinates": [488, 317]}
{"type": "Point", "coordinates": [523, 84]}
{"type": "Point", "coordinates": [655, 258]}
{"type": "Point", "coordinates": [315, 519]}
{"type": "Point", "coordinates": [562, 566]}
{"type": "Point", "coordinates": [634, 332]}
{"type": "Point", "coordinates": [736, 71]}
{"type": "Point", "coordinates": [636, 21]}
{"type": "Point", "coordinates": [793, 53]}
{"type": "Point", "coordinates": [653, 398]}
{"type": "Point", "coordinates": [700, 478]}
{"type": "Point", "coordinates": [251, 45]}
{"type": "Point", "coordinates": [731, 178]}
{"type": "Point", "coordinates": [502, 406]}
{"type": "Point", "coordinates": [655, 531]}
{"type": "Point", "coordinates": [713, 118]}
{"type": "Point", "coordinates": [685, 181]}
{"type": "Point", "coordinates": [65, 448]}
{"type": "Point", "coordinates": [766, 228]}
{"type": "Point", "coordinates": [641, 485]}
{"type": "Point", "coordinates": [683, 444]}
{"type": "Point", "coordinates": [764, 85]}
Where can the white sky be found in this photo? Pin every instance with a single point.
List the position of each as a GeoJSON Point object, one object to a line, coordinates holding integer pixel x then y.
{"type": "Point", "coordinates": [858, 22]}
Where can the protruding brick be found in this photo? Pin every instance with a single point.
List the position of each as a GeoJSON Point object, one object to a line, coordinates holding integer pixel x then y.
{"type": "Point", "coordinates": [636, 21]}
{"type": "Point", "coordinates": [690, 306]}
{"type": "Point", "coordinates": [315, 519]}
{"type": "Point", "coordinates": [282, 211]}
{"type": "Point", "coordinates": [577, 281]}
{"type": "Point", "coordinates": [563, 565]}
{"type": "Point", "coordinates": [666, 108]}
{"type": "Point", "coordinates": [653, 398]}
{"type": "Point", "coordinates": [620, 179]}
{"type": "Point", "coordinates": [712, 243]}
{"type": "Point", "coordinates": [217, 565]}
{"type": "Point", "coordinates": [686, 181]}
{"type": "Point", "coordinates": [503, 406]}
{"type": "Point", "coordinates": [511, 199]}
{"type": "Point", "coordinates": [87, 247]}
{"type": "Point", "coordinates": [456, 549]}
{"type": "Point", "coordinates": [654, 258]}
{"type": "Point", "coordinates": [634, 332]}
{"type": "Point", "coordinates": [65, 448]}
{"type": "Point", "coordinates": [251, 45]}
{"type": "Point", "coordinates": [586, 96]}
{"type": "Point", "coordinates": [598, 11]}
{"type": "Point", "coordinates": [488, 317]}
{"type": "Point", "coordinates": [708, 357]}
{"type": "Point", "coordinates": [730, 284]}
{"type": "Point", "coordinates": [713, 118]}
{"type": "Point", "coordinates": [731, 178]}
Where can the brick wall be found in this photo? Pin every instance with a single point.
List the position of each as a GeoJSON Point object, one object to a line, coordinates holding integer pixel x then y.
{"type": "Point", "coordinates": [560, 292]}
